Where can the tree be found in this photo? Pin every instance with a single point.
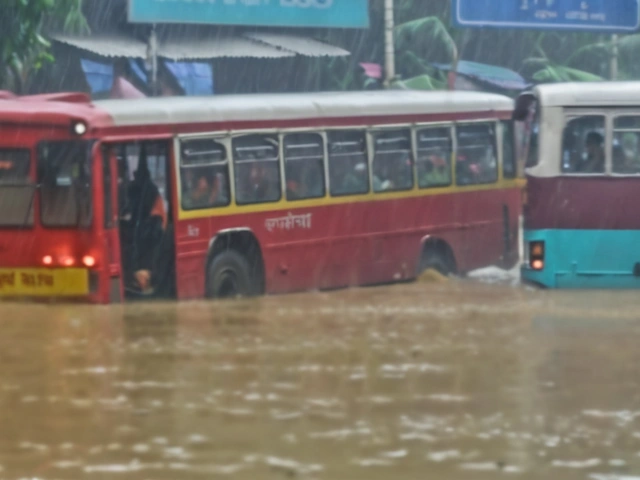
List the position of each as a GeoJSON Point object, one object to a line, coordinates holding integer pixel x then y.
{"type": "Point", "coordinates": [424, 36]}
{"type": "Point", "coordinates": [23, 47]}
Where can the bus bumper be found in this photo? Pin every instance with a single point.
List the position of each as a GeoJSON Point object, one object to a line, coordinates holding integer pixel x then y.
{"type": "Point", "coordinates": [584, 259]}
{"type": "Point", "coordinates": [48, 284]}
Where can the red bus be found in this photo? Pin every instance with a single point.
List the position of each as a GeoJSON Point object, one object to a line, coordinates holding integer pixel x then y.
{"type": "Point", "coordinates": [239, 195]}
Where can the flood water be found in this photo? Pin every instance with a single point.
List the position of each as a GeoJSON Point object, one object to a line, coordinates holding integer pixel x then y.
{"type": "Point", "coordinates": [454, 380]}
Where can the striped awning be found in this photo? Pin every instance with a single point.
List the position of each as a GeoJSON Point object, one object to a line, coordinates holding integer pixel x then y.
{"type": "Point", "coordinates": [198, 46]}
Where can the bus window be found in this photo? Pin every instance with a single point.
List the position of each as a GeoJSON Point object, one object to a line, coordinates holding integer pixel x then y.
{"type": "Point", "coordinates": [433, 160]}
{"type": "Point", "coordinates": [64, 176]}
{"type": "Point", "coordinates": [509, 168]}
{"type": "Point", "coordinates": [204, 174]}
{"type": "Point", "coordinates": [583, 145]}
{"type": "Point", "coordinates": [476, 161]}
{"type": "Point", "coordinates": [532, 136]}
{"type": "Point", "coordinates": [257, 169]}
{"type": "Point", "coordinates": [348, 164]}
{"type": "Point", "coordinates": [626, 145]}
{"type": "Point", "coordinates": [392, 163]}
{"type": "Point", "coordinates": [304, 165]}
{"type": "Point", "coordinates": [16, 189]}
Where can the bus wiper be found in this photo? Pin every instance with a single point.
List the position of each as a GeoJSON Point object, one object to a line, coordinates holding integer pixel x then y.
{"type": "Point", "coordinates": [34, 189]}
{"type": "Point", "coordinates": [78, 192]}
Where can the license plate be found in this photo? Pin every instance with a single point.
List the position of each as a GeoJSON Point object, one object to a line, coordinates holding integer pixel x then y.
{"type": "Point", "coordinates": [43, 282]}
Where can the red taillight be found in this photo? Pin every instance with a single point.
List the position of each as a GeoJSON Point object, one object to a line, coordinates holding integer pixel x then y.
{"type": "Point", "coordinates": [88, 261]}
{"type": "Point", "coordinates": [67, 261]}
{"type": "Point", "coordinates": [47, 260]}
{"type": "Point", "coordinates": [537, 264]}
{"type": "Point", "coordinates": [536, 255]}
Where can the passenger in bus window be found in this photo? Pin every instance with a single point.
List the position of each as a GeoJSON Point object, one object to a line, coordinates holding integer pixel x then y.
{"type": "Point", "coordinates": [295, 185]}
{"type": "Point", "coordinates": [382, 178]}
{"type": "Point", "coordinates": [297, 182]}
{"type": "Point", "coordinates": [629, 146]}
{"type": "Point", "coordinates": [403, 174]}
{"type": "Point", "coordinates": [313, 179]}
{"type": "Point", "coordinates": [204, 187]}
{"type": "Point", "coordinates": [349, 177]}
{"type": "Point", "coordinates": [435, 172]}
{"type": "Point", "coordinates": [304, 179]}
{"type": "Point", "coordinates": [620, 162]}
{"type": "Point", "coordinates": [200, 194]}
{"type": "Point", "coordinates": [464, 175]}
{"type": "Point", "coordinates": [593, 161]}
{"type": "Point", "coordinates": [263, 183]}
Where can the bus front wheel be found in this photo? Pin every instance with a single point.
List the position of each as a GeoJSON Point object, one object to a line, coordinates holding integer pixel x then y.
{"type": "Point", "coordinates": [229, 276]}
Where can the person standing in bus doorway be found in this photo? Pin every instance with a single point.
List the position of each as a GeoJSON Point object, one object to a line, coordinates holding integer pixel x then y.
{"type": "Point", "coordinates": [149, 220]}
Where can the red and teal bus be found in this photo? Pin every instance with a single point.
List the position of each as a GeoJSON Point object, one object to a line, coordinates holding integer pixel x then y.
{"type": "Point", "coordinates": [240, 195]}
{"type": "Point", "coordinates": [581, 229]}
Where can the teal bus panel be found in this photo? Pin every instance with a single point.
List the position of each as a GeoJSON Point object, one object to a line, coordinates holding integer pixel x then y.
{"type": "Point", "coordinates": [608, 259]}
{"type": "Point", "coordinates": [270, 13]}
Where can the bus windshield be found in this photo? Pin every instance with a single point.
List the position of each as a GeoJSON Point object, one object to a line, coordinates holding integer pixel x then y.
{"type": "Point", "coordinates": [527, 120]}
{"type": "Point", "coordinates": [16, 188]}
{"type": "Point", "coordinates": [64, 178]}
{"type": "Point", "coordinates": [532, 131]}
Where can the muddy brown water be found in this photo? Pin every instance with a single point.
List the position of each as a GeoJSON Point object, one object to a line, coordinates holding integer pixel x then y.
{"type": "Point", "coordinates": [457, 380]}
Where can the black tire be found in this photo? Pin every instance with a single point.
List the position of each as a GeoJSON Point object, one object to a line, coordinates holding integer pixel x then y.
{"type": "Point", "coordinates": [229, 276]}
{"type": "Point", "coordinates": [435, 261]}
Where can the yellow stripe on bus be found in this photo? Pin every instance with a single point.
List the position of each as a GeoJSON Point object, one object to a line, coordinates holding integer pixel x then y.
{"type": "Point", "coordinates": [283, 204]}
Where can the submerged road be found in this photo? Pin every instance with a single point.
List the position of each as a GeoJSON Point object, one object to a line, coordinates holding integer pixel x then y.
{"type": "Point", "coordinates": [455, 380]}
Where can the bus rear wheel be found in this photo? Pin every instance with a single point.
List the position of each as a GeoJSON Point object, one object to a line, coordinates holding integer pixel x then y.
{"type": "Point", "coordinates": [229, 276]}
{"type": "Point", "coordinates": [437, 260]}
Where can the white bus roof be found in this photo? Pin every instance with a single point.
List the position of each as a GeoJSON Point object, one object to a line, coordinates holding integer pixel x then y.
{"type": "Point", "coordinates": [587, 94]}
{"type": "Point", "coordinates": [261, 107]}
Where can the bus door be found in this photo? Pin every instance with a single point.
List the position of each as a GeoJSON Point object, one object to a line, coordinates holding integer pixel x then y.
{"type": "Point", "coordinates": [112, 273]}
{"type": "Point", "coordinates": [111, 285]}
{"type": "Point", "coordinates": [141, 186]}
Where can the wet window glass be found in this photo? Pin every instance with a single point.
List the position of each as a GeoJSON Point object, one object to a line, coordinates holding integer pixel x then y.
{"type": "Point", "coordinates": [509, 168]}
{"type": "Point", "coordinates": [532, 135]}
{"type": "Point", "coordinates": [64, 176]}
{"type": "Point", "coordinates": [392, 162]}
{"type": "Point", "coordinates": [16, 189]}
{"type": "Point", "coordinates": [583, 145]}
{"type": "Point", "coordinates": [433, 160]}
{"type": "Point", "coordinates": [476, 160]}
{"type": "Point", "coordinates": [304, 165]}
{"type": "Point", "coordinates": [348, 163]}
{"type": "Point", "coordinates": [106, 189]}
{"type": "Point", "coordinates": [204, 174]}
{"type": "Point", "coordinates": [626, 145]}
{"type": "Point", "coordinates": [257, 169]}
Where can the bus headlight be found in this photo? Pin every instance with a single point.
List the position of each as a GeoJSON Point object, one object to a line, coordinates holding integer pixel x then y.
{"type": "Point", "coordinates": [79, 128]}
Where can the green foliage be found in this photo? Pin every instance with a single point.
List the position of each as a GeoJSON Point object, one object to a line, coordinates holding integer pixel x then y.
{"type": "Point", "coordinates": [22, 45]}
{"type": "Point", "coordinates": [424, 36]}
{"type": "Point", "coordinates": [421, 82]}
{"type": "Point", "coordinates": [560, 73]}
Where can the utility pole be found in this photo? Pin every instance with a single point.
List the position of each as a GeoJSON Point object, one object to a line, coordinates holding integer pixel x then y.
{"type": "Point", "coordinates": [614, 57]}
{"type": "Point", "coordinates": [152, 61]}
{"type": "Point", "coordinates": [389, 44]}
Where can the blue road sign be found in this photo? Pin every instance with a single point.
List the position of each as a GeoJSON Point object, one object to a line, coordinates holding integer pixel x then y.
{"type": "Point", "coordinates": [610, 16]}
{"type": "Point", "coordinates": [273, 13]}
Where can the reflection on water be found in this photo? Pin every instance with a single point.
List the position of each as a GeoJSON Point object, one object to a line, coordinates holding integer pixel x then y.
{"type": "Point", "coordinates": [458, 380]}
